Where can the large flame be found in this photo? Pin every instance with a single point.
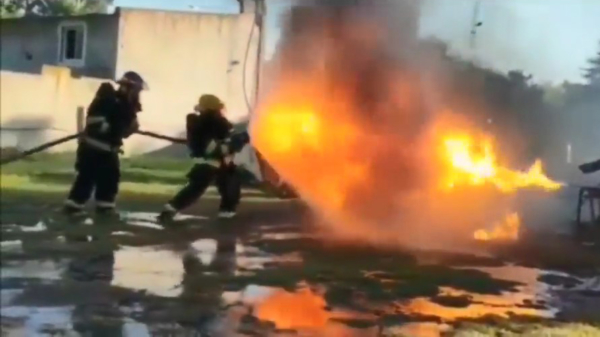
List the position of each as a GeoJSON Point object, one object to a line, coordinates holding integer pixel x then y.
{"type": "Point", "coordinates": [325, 154]}
{"type": "Point", "coordinates": [474, 162]}
{"type": "Point", "coordinates": [349, 125]}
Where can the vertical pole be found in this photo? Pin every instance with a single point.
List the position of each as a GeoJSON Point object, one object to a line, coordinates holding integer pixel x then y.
{"type": "Point", "coordinates": [261, 8]}
{"type": "Point", "coordinates": [474, 24]}
{"type": "Point", "coordinates": [80, 119]}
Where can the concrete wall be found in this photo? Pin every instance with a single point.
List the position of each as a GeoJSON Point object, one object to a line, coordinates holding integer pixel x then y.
{"type": "Point", "coordinates": [183, 55]}
{"type": "Point", "coordinates": [37, 108]}
{"type": "Point", "coordinates": [27, 44]}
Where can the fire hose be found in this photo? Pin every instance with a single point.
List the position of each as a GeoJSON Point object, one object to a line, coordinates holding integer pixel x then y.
{"type": "Point", "coordinates": [62, 140]}
{"type": "Point", "coordinates": [167, 138]}
{"type": "Point", "coordinates": [59, 141]}
{"type": "Point", "coordinates": [38, 149]}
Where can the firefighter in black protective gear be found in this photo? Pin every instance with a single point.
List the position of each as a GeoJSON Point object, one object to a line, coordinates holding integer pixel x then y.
{"type": "Point", "coordinates": [111, 117]}
{"type": "Point", "coordinates": [212, 145]}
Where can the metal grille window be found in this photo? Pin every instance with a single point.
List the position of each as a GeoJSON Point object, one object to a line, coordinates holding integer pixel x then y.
{"type": "Point", "coordinates": [72, 39]}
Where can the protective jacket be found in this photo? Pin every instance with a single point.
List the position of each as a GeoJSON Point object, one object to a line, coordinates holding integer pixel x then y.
{"type": "Point", "coordinates": [207, 133]}
{"type": "Point", "coordinates": [110, 118]}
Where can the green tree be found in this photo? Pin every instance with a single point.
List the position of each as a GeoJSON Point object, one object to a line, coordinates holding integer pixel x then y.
{"type": "Point", "coordinates": [16, 8]}
{"type": "Point", "coordinates": [592, 72]}
{"type": "Point", "coordinates": [77, 7]}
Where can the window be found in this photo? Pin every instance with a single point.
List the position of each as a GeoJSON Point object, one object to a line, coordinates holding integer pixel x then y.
{"type": "Point", "coordinates": [72, 39]}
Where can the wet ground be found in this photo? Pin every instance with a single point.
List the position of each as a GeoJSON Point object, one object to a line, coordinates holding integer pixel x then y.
{"type": "Point", "coordinates": [262, 274]}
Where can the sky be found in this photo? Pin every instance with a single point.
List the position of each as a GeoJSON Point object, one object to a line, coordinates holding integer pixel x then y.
{"type": "Point", "coordinates": [550, 39]}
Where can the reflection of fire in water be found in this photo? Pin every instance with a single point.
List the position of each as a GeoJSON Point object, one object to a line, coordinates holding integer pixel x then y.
{"type": "Point", "coordinates": [507, 230]}
{"type": "Point", "coordinates": [525, 300]}
{"type": "Point", "coordinates": [519, 301]}
{"type": "Point", "coordinates": [480, 306]}
{"type": "Point", "coordinates": [303, 309]}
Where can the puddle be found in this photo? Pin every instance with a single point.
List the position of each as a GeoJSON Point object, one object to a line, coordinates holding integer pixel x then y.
{"type": "Point", "coordinates": [40, 226]}
{"type": "Point", "coordinates": [141, 219]}
{"type": "Point", "coordinates": [282, 236]}
{"type": "Point", "coordinates": [480, 306]}
{"type": "Point", "coordinates": [14, 246]}
{"type": "Point", "coordinates": [145, 224]}
{"type": "Point", "coordinates": [122, 233]}
{"type": "Point", "coordinates": [590, 284]}
{"type": "Point", "coordinates": [251, 295]}
{"type": "Point", "coordinates": [185, 217]}
{"type": "Point", "coordinates": [44, 270]}
{"type": "Point", "coordinates": [7, 296]}
{"type": "Point", "coordinates": [35, 321]}
{"type": "Point", "coordinates": [240, 258]}
{"type": "Point", "coordinates": [160, 271]}
{"type": "Point", "coordinates": [157, 271]}
{"type": "Point", "coordinates": [420, 329]}
{"type": "Point", "coordinates": [532, 298]}
{"type": "Point", "coordinates": [135, 329]}
{"type": "Point", "coordinates": [63, 321]}
{"type": "Point", "coordinates": [304, 311]}
{"type": "Point", "coordinates": [149, 219]}
{"type": "Point", "coordinates": [205, 250]}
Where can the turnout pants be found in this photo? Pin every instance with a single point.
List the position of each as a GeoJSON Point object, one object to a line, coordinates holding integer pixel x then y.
{"type": "Point", "coordinates": [98, 172]}
{"type": "Point", "coordinates": [200, 177]}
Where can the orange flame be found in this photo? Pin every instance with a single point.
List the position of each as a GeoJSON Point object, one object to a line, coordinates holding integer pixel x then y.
{"type": "Point", "coordinates": [469, 166]}
{"type": "Point", "coordinates": [305, 309]}
{"type": "Point", "coordinates": [300, 310]}
{"type": "Point", "coordinates": [348, 124]}
{"type": "Point", "coordinates": [507, 230]}
{"type": "Point", "coordinates": [297, 138]}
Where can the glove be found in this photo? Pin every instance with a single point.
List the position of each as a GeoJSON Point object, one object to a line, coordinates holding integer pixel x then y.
{"type": "Point", "coordinates": [238, 141]}
{"type": "Point", "coordinates": [133, 127]}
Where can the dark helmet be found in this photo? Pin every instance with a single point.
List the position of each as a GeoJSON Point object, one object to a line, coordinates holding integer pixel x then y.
{"type": "Point", "coordinates": [134, 79]}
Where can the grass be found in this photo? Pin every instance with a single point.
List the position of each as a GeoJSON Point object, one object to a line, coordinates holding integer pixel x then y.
{"type": "Point", "coordinates": [30, 184]}
{"type": "Point", "coordinates": [49, 162]}
{"type": "Point", "coordinates": [54, 173]}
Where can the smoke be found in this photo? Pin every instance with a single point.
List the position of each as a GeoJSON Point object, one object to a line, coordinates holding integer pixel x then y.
{"type": "Point", "coordinates": [355, 119]}
{"type": "Point", "coordinates": [515, 33]}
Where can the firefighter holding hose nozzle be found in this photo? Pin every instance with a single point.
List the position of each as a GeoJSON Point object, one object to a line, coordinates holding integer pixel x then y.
{"type": "Point", "coordinates": [111, 117]}
{"type": "Point", "coordinates": [212, 145]}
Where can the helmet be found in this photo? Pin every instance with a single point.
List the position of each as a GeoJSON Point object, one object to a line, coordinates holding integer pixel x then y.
{"type": "Point", "coordinates": [209, 102]}
{"type": "Point", "coordinates": [134, 79]}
